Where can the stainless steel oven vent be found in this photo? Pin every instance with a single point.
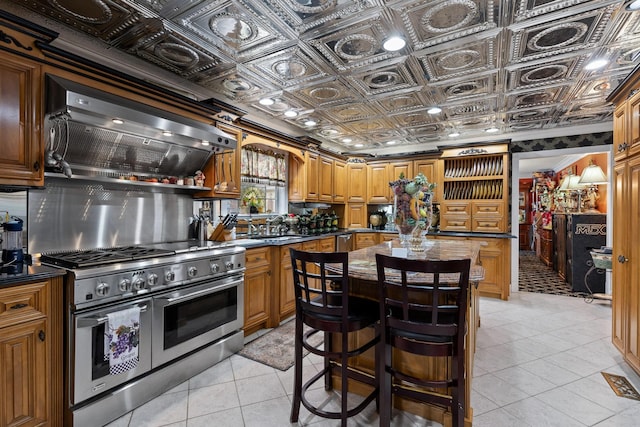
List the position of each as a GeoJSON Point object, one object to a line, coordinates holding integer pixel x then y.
{"type": "Point", "coordinates": [82, 131]}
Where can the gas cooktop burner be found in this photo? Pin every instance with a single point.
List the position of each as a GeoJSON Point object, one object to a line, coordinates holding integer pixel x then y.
{"type": "Point", "coordinates": [97, 257]}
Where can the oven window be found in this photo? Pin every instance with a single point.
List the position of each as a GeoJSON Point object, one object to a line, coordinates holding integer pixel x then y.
{"type": "Point", "coordinates": [194, 317]}
{"type": "Point", "coordinates": [99, 366]}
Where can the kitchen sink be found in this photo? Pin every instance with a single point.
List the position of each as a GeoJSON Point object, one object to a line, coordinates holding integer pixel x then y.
{"type": "Point", "coordinates": [275, 238]}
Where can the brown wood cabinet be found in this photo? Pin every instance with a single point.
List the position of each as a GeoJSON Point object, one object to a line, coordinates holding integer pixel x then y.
{"type": "Point", "coordinates": [22, 142]}
{"type": "Point", "coordinates": [356, 215]}
{"type": "Point", "coordinates": [257, 289]}
{"type": "Point", "coordinates": [286, 299]}
{"type": "Point", "coordinates": [380, 174]}
{"type": "Point", "coordinates": [297, 185]}
{"type": "Point", "coordinates": [544, 245]}
{"type": "Point", "coordinates": [325, 179]}
{"type": "Point", "coordinates": [364, 240]}
{"type": "Point", "coordinates": [31, 354]}
{"type": "Point", "coordinates": [626, 229]}
{"type": "Point", "coordinates": [429, 168]}
{"type": "Point", "coordinates": [357, 182]}
{"type": "Point", "coordinates": [340, 179]}
{"type": "Point", "coordinates": [312, 172]}
{"type": "Point", "coordinates": [222, 171]}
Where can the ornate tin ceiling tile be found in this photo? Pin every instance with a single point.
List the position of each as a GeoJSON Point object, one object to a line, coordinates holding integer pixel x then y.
{"type": "Point", "coordinates": [432, 23]}
{"type": "Point", "coordinates": [536, 98]}
{"type": "Point", "coordinates": [370, 126]}
{"type": "Point", "coordinates": [454, 90]}
{"type": "Point", "coordinates": [415, 119]}
{"type": "Point", "coordinates": [290, 67]}
{"type": "Point", "coordinates": [236, 84]}
{"type": "Point", "coordinates": [545, 74]}
{"type": "Point", "coordinates": [326, 93]}
{"type": "Point", "coordinates": [104, 19]}
{"type": "Point", "coordinates": [479, 106]}
{"type": "Point", "coordinates": [528, 9]}
{"type": "Point", "coordinates": [382, 80]}
{"type": "Point", "coordinates": [560, 36]}
{"type": "Point", "coordinates": [589, 106]}
{"type": "Point", "coordinates": [234, 28]}
{"type": "Point", "coordinates": [357, 45]}
{"type": "Point", "coordinates": [400, 102]}
{"type": "Point", "coordinates": [460, 59]}
{"type": "Point", "coordinates": [302, 16]}
{"type": "Point", "coordinates": [350, 112]}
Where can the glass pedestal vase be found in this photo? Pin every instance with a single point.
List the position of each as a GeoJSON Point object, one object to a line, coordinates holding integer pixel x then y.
{"type": "Point", "coordinates": [413, 216]}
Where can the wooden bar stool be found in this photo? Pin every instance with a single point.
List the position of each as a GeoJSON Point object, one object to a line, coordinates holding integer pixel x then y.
{"type": "Point", "coordinates": [423, 310]}
{"type": "Point", "coordinates": [324, 305]}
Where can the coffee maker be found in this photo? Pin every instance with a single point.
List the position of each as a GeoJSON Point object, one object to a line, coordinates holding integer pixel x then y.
{"type": "Point", "coordinates": [12, 254]}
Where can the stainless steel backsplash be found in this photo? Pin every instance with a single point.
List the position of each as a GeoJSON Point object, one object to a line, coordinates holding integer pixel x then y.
{"type": "Point", "coordinates": [74, 215]}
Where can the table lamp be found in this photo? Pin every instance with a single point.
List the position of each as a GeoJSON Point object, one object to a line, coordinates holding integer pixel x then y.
{"type": "Point", "coordinates": [591, 177]}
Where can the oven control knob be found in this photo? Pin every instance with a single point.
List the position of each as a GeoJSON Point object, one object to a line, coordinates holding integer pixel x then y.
{"type": "Point", "coordinates": [192, 272]}
{"type": "Point", "coordinates": [170, 276]}
{"type": "Point", "coordinates": [229, 265]}
{"type": "Point", "coordinates": [124, 285]}
{"type": "Point", "coordinates": [152, 280]}
{"type": "Point", "coordinates": [102, 289]}
{"type": "Point", "coordinates": [138, 284]}
{"type": "Point", "coordinates": [215, 267]}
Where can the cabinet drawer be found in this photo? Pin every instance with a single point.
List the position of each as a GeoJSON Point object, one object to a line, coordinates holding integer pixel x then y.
{"type": "Point", "coordinates": [456, 208]}
{"type": "Point", "coordinates": [488, 224]}
{"type": "Point", "coordinates": [22, 303]}
{"type": "Point", "coordinates": [455, 222]}
{"type": "Point", "coordinates": [258, 256]}
{"type": "Point", "coordinates": [487, 209]}
{"type": "Point", "coordinates": [364, 240]}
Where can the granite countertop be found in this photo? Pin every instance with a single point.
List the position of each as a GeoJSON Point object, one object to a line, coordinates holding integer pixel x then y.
{"type": "Point", "coordinates": [362, 262]}
{"type": "Point", "coordinates": [10, 276]}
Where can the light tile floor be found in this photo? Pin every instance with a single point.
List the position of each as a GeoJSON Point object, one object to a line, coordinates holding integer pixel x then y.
{"type": "Point", "coordinates": [538, 363]}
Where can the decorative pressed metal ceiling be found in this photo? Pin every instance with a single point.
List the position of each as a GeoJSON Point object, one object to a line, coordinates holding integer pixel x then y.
{"type": "Point", "coordinates": [516, 65]}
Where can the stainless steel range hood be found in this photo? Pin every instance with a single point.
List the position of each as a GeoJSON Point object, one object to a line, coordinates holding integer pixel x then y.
{"type": "Point", "coordinates": [82, 131]}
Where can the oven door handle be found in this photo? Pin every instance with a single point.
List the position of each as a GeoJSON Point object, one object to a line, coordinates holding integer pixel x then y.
{"type": "Point", "coordinates": [89, 322]}
{"type": "Point", "coordinates": [174, 300]}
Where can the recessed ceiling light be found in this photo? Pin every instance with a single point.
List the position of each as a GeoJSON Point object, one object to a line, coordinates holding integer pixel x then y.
{"type": "Point", "coordinates": [310, 123]}
{"type": "Point", "coordinates": [596, 63]}
{"type": "Point", "coordinates": [205, 142]}
{"type": "Point", "coordinates": [266, 101]}
{"type": "Point", "coordinates": [394, 43]}
{"type": "Point", "coordinates": [453, 134]}
{"type": "Point", "coordinates": [332, 131]}
{"type": "Point", "coordinates": [359, 145]}
{"type": "Point", "coordinates": [117, 121]}
{"type": "Point", "coordinates": [347, 140]}
{"type": "Point", "coordinates": [290, 113]}
{"type": "Point", "coordinates": [391, 142]}
{"type": "Point", "coordinates": [492, 130]}
{"type": "Point", "coordinates": [166, 133]}
{"type": "Point", "coordinates": [633, 5]}
{"type": "Point", "coordinates": [434, 110]}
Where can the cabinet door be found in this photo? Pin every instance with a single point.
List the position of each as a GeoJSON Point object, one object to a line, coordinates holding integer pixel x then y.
{"type": "Point", "coordinates": [378, 190]}
{"type": "Point", "coordinates": [357, 185]}
{"type": "Point", "coordinates": [632, 291]}
{"type": "Point", "coordinates": [495, 260]}
{"type": "Point", "coordinates": [312, 169]}
{"type": "Point", "coordinates": [365, 240]}
{"type": "Point", "coordinates": [24, 374]}
{"type": "Point", "coordinates": [21, 144]}
{"type": "Point", "coordinates": [339, 181]}
{"type": "Point", "coordinates": [257, 285]}
{"type": "Point", "coordinates": [356, 215]}
{"type": "Point", "coordinates": [287, 299]}
{"type": "Point", "coordinates": [325, 178]}
{"type": "Point", "coordinates": [327, 244]}
{"type": "Point", "coordinates": [621, 271]}
{"type": "Point", "coordinates": [633, 133]}
{"type": "Point", "coordinates": [222, 171]}
{"type": "Point", "coordinates": [428, 169]}
{"type": "Point", "coordinates": [620, 137]}
{"type": "Point", "coordinates": [297, 179]}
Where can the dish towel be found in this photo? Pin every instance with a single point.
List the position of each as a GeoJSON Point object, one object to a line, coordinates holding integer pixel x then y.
{"type": "Point", "coordinates": [122, 336]}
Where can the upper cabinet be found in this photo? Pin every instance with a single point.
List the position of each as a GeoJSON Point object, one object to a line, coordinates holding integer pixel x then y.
{"type": "Point", "coordinates": [429, 168]}
{"type": "Point", "coordinates": [380, 174]}
{"type": "Point", "coordinates": [312, 169]}
{"type": "Point", "coordinates": [340, 181]}
{"type": "Point", "coordinates": [222, 171]}
{"type": "Point", "coordinates": [474, 189]}
{"type": "Point", "coordinates": [357, 182]}
{"type": "Point", "coordinates": [626, 127]}
{"type": "Point", "coordinates": [325, 179]}
{"type": "Point", "coordinates": [22, 160]}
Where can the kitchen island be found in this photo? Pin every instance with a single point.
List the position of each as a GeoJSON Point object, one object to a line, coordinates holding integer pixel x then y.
{"type": "Point", "coordinates": [363, 274]}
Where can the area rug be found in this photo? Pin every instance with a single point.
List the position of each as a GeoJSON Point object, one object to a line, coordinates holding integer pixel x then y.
{"type": "Point", "coordinates": [539, 278]}
{"type": "Point", "coordinates": [276, 347]}
{"type": "Point", "coordinates": [621, 386]}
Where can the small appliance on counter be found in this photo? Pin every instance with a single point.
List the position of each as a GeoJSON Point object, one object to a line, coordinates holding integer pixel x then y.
{"type": "Point", "coordinates": [378, 220]}
{"type": "Point", "coordinates": [12, 253]}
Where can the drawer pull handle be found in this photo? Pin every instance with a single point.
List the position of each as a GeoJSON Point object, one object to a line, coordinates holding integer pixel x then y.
{"type": "Point", "coordinates": [18, 306]}
{"type": "Point", "coordinates": [622, 259]}
{"type": "Point", "coordinates": [41, 335]}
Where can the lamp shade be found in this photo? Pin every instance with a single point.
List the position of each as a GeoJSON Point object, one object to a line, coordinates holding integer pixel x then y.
{"type": "Point", "coordinates": [571, 182]}
{"type": "Point", "coordinates": [593, 174]}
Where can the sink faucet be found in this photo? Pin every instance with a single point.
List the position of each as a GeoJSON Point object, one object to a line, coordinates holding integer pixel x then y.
{"type": "Point", "coordinates": [274, 224]}
{"type": "Point", "coordinates": [251, 229]}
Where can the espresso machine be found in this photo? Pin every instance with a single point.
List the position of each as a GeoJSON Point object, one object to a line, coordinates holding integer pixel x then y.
{"type": "Point", "coordinates": [12, 253]}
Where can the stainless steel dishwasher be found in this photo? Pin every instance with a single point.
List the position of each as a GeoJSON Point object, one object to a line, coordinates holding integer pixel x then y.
{"type": "Point", "coordinates": [343, 242]}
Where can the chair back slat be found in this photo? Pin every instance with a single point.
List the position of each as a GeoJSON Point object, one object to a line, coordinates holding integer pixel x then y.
{"type": "Point", "coordinates": [423, 297]}
{"type": "Point", "coordinates": [318, 290]}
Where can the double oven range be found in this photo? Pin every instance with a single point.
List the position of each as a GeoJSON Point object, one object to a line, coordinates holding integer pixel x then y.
{"type": "Point", "coordinates": [189, 302]}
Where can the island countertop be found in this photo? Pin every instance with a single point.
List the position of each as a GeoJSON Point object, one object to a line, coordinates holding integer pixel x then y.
{"type": "Point", "coordinates": [362, 262]}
